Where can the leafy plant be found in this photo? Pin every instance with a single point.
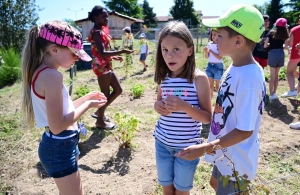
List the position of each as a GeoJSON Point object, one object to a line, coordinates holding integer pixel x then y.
{"type": "Point", "coordinates": [10, 69]}
{"type": "Point", "coordinates": [137, 90]}
{"type": "Point", "coordinates": [125, 133]}
{"type": "Point", "coordinates": [267, 77]}
{"type": "Point", "coordinates": [127, 62]}
{"type": "Point", "coordinates": [282, 74]}
{"type": "Point", "coordinates": [81, 92]}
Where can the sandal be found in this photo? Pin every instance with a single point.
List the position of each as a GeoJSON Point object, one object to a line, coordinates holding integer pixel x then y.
{"type": "Point", "coordinates": [105, 118]}
{"type": "Point", "coordinates": [109, 126]}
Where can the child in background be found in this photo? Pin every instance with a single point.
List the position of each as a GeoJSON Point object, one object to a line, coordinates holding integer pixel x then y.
{"type": "Point", "coordinates": [183, 101]}
{"type": "Point", "coordinates": [274, 42]}
{"type": "Point", "coordinates": [48, 48]}
{"type": "Point", "coordinates": [127, 40]}
{"type": "Point", "coordinates": [102, 63]}
{"type": "Point", "coordinates": [239, 106]}
{"type": "Point", "coordinates": [215, 67]}
{"type": "Point", "coordinates": [143, 50]}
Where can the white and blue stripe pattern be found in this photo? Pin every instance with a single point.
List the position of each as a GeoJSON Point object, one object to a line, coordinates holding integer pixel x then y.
{"type": "Point", "coordinates": [178, 129]}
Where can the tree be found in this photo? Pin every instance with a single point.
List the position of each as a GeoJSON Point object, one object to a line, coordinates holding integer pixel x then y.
{"type": "Point", "coordinates": [126, 7]}
{"type": "Point", "coordinates": [262, 8]}
{"type": "Point", "coordinates": [16, 17]}
{"type": "Point", "coordinates": [72, 23]}
{"type": "Point", "coordinates": [149, 16]}
{"type": "Point", "coordinates": [184, 9]}
{"type": "Point", "coordinates": [293, 15]}
{"type": "Point", "coordinates": [275, 10]}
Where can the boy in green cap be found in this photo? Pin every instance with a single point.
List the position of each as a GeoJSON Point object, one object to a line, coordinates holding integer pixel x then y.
{"type": "Point", "coordinates": [233, 142]}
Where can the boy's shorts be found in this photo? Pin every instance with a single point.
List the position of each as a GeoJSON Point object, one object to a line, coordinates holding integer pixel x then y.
{"type": "Point", "coordinates": [57, 155]}
{"type": "Point", "coordinates": [262, 62]}
{"type": "Point", "coordinates": [143, 56]}
{"type": "Point", "coordinates": [214, 70]}
{"type": "Point", "coordinates": [174, 170]}
{"type": "Point", "coordinates": [228, 189]}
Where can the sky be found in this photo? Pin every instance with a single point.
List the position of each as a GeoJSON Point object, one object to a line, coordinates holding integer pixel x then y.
{"type": "Point", "coordinates": [78, 9]}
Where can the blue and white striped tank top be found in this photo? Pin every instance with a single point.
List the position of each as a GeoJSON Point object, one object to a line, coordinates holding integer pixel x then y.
{"type": "Point", "coordinates": [178, 129]}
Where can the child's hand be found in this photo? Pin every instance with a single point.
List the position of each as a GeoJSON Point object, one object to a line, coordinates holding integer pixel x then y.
{"type": "Point", "coordinates": [160, 108]}
{"type": "Point", "coordinates": [191, 152]}
{"type": "Point", "coordinates": [174, 103]}
{"type": "Point", "coordinates": [118, 58]}
{"type": "Point", "coordinates": [206, 49]}
{"type": "Point", "coordinates": [96, 95]}
{"type": "Point", "coordinates": [97, 103]}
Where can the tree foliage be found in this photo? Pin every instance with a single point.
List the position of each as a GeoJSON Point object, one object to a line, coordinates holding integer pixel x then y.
{"type": "Point", "coordinates": [149, 16]}
{"type": "Point", "coordinates": [72, 23]}
{"type": "Point", "coordinates": [293, 14]}
{"type": "Point", "coordinates": [275, 10]}
{"type": "Point", "coordinates": [184, 9]}
{"type": "Point", "coordinates": [262, 8]}
{"type": "Point", "coordinates": [16, 17]}
{"type": "Point", "coordinates": [126, 7]}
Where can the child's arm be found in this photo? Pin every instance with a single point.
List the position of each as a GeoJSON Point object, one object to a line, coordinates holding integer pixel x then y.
{"type": "Point", "coordinates": [101, 50]}
{"type": "Point", "coordinates": [138, 52]}
{"type": "Point", "coordinates": [202, 114]}
{"type": "Point", "coordinates": [94, 95]}
{"type": "Point", "coordinates": [57, 121]}
{"type": "Point", "coordinates": [146, 49]}
{"type": "Point", "coordinates": [159, 105]}
{"type": "Point", "coordinates": [215, 54]}
{"type": "Point", "coordinates": [266, 45]}
{"type": "Point", "coordinates": [206, 52]}
{"type": "Point", "coordinates": [232, 138]}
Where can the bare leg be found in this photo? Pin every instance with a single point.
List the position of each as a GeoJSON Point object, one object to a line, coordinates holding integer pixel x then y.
{"type": "Point", "coordinates": [177, 192]}
{"type": "Point", "coordinates": [211, 85]}
{"type": "Point", "coordinates": [169, 190]}
{"type": "Point", "coordinates": [272, 80]}
{"type": "Point", "coordinates": [290, 75]}
{"type": "Point", "coordinates": [70, 184]}
{"type": "Point", "coordinates": [217, 85]}
{"type": "Point", "coordinates": [105, 81]}
{"type": "Point", "coordinates": [213, 183]}
{"type": "Point", "coordinates": [144, 63]}
{"type": "Point", "coordinates": [276, 79]}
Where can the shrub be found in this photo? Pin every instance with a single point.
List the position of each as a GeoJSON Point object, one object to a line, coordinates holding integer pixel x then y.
{"type": "Point", "coordinates": [125, 133]}
{"type": "Point", "coordinates": [137, 90]}
{"type": "Point", "coordinates": [10, 67]}
{"type": "Point", "coordinates": [81, 92]}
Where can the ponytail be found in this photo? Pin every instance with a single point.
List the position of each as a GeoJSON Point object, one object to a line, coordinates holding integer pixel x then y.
{"type": "Point", "coordinates": [32, 56]}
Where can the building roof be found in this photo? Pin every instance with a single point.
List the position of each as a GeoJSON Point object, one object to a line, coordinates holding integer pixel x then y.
{"type": "Point", "coordinates": [117, 14]}
{"type": "Point", "coordinates": [164, 18]}
{"type": "Point", "coordinates": [209, 17]}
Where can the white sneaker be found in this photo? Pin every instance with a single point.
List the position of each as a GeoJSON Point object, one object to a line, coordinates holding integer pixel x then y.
{"type": "Point", "coordinates": [273, 97]}
{"type": "Point", "coordinates": [289, 93]}
{"type": "Point", "coordinates": [296, 86]}
{"type": "Point", "coordinates": [295, 125]}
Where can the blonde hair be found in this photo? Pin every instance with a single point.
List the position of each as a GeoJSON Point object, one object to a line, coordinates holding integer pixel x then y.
{"type": "Point", "coordinates": [178, 30]}
{"type": "Point", "coordinates": [32, 55]}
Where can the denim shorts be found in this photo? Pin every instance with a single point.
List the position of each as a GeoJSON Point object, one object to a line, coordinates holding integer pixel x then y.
{"type": "Point", "coordinates": [58, 156]}
{"type": "Point", "coordinates": [214, 70]}
{"type": "Point", "coordinates": [276, 58]}
{"type": "Point", "coordinates": [143, 56]}
{"type": "Point", "coordinates": [174, 170]}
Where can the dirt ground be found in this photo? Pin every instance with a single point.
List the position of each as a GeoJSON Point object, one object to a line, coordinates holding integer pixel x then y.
{"type": "Point", "coordinates": [107, 169]}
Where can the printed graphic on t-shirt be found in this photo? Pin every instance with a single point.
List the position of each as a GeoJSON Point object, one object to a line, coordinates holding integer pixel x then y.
{"type": "Point", "coordinates": [225, 104]}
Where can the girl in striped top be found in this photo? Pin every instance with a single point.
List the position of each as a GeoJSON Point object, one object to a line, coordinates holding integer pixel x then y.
{"type": "Point", "coordinates": [183, 101]}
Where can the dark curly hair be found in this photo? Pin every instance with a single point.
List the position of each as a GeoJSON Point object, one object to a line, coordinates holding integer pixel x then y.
{"type": "Point", "coordinates": [95, 12]}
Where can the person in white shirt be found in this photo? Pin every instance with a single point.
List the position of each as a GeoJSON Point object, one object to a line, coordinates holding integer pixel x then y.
{"type": "Point", "coordinates": [233, 141]}
{"type": "Point", "coordinates": [215, 66]}
{"type": "Point", "coordinates": [143, 50]}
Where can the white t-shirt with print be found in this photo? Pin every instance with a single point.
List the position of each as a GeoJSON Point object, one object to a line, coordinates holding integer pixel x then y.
{"type": "Point", "coordinates": [239, 104]}
{"type": "Point", "coordinates": [211, 57]}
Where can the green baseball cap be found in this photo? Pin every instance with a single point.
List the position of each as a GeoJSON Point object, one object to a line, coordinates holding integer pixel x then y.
{"type": "Point", "coordinates": [242, 18]}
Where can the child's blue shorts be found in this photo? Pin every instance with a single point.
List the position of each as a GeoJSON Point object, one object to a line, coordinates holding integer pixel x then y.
{"type": "Point", "coordinates": [174, 170]}
{"type": "Point", "coordinates": [214, 71]}
{"type": "Point", "coordinates": [58, 155]}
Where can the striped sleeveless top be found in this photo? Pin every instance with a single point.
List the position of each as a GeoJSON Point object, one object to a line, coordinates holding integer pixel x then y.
{"type": "Point", "coordinates": [178, 129]}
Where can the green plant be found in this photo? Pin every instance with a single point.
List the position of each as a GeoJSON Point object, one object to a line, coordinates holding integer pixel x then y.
{"type": "Point", "coordinates": [267, 77]}
{"type": "Point", "coordinates": [81, 92]}
{"type": "Point", "coordinates": [10, 70]}
{"type": "Point", "coordinates": [137, 90]}
{"type": "Point", "coordinates": [282, 74]}
{"type": "Point", "coordinates": [127, 62]}
{"type": "Point", "coordinates": [125, 133]}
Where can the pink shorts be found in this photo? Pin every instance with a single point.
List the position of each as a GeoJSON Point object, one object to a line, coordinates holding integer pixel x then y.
{"type": "Point", "coordinates": [294, 61]}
